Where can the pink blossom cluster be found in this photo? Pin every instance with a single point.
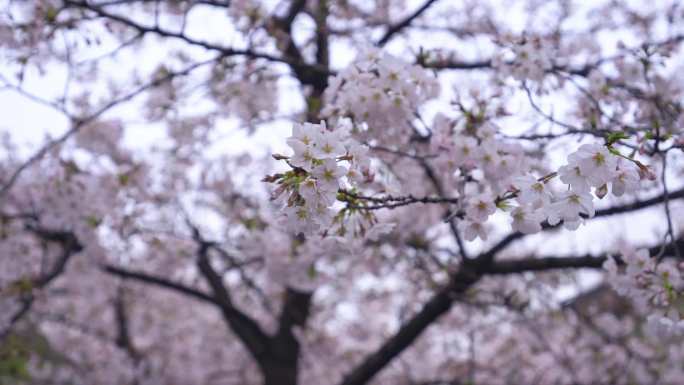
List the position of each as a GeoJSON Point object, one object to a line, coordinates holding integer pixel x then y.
{"type": "Point", "coordinates": [527, 58]}
{"type": "Point", "coordinates": [324, 161]}
{"type": "Point", "coordinates": [380, 93]}
{"type": "Point", "coordinates": [591, 166]}
{"type": "Point", "coordinates": [655, 286]}
{"type": "Point", "coordinates": [489, 173]}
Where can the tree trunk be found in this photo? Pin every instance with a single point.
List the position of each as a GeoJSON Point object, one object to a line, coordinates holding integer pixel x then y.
{"type": "Point", "coordinates": [280, 373]}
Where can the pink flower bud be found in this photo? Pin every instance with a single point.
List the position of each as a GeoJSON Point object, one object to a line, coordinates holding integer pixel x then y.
{"type": "Point", "coordinates": [601, 191]}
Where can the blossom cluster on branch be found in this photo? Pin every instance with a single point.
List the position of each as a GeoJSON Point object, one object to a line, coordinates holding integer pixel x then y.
{"type": "Point", "coordinates": [504, 169]}
{"type": "Point", "coordinates": [655, 287]}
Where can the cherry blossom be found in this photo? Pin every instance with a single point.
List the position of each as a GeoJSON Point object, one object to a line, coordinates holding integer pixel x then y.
{"type": "Point", "coordinates": [569, 207]}
{"type": "Point", "coordinates": [533, 191]}
{"type": "Point", "coordinates": [474, 229]}
{"type": "Point", "coordinates": [526, 219]}
{"type": "Point", "coordinates": [626, 180]}
{"type": "Point", "coordinates": [480, 208]}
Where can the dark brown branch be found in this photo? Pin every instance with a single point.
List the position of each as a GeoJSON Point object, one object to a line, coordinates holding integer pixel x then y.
{"type": "Point", "coordinates": [398, 27]}
{"type": "Point", "coordinates": [314, 75]}
{"type": "Point", "coordinates": [306, 73]}
{"type": "Point", "coordinates": [70, 246]}
{"type": "Point", "coordinates": [545, 263]}
{"type": "Point", "coordinates": [455, 65]}
{"type": "Point", "coordinates": [214, 3]}
{"type": "Point", "coordinates": [281, 365]}
{"type": "Point", "coordinates": [295, 311]}
{"type": "Point", "coordinates": [170, 34]}
{"type": "Point", "coordinates": [233, 263]}
{"type": "Point", "coordinates": [158, 281]}
{"type": "Point", "coordinates": [123, 337]}
{"type": "Point", "coordinates": [389, 201]}
{"type": "Point", "coordinates": [322, 33]}
{"type": "Point", "coordinates": [638, 205]}
{"type": "Point", "coordinates": [450, 217]}
{"type": "Point", "coordinates": [277, 356]}
{"type": "Point", "coordinates": [575, 262]}
{"type": "Point", "coordinates": [284, 26]}
{"type": "Point", "coordinates": [438, 305]}
{"type": "Point", "coordinates": [296, 6]}
{"type": "Point", "coordinates": [247, 330]}
{"type": "Point", "coordinates": [26, 304]}
{"type": "Point", "coordinates": [450, 64]}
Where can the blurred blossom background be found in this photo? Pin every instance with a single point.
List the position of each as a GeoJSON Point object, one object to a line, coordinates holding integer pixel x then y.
{"type": "Point", "coordinates": [156, 227]}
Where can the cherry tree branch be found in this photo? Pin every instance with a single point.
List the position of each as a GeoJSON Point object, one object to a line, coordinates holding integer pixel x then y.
{"type": "Point", "coordinates": [142, 29]}
{"type": "Point", "coordinates": [450, 217]}
{"type": "Point", "coordinates": [215, 3]}
{"type": "Point", "coordinates": [160, 282]}
{"type": "Point", "coordinates": [277, 355]}
{"type": "Point", "coordinates": [545, 263]}
{"type": "Point", "coordinates": [314, 75]}
{"type": "Point", "coordinates": [437, 306]}
{"type": "Point", "coordinates": [239, 266]}
{"type": "Point", "coordinates": [70, 246]}
{"type": "Point", "coordinates": [247, 329]}
{"type": "Point", "coordinates": [294, 313]}
{"type": "Point", "coordinates": [451, 64]}
{"type": "Point", "coordinates": [322, 34]}
{"type": "Point", "coordinates": [124, 340]}
{"type": "Point", "coordinates": [306, 73]}
{"type": "Point", "coordinates": [515, 266]}
{"type": "Point", "coordinates": [398, 27]}
{"type": "Point", "coordinates": [281, 367]}
{"type": "Point", "coordinates": [295, 8]}
{"type": "Point", "coordinates": [468, 274]}
{"type": "Point", "coordinates": [390, 201]}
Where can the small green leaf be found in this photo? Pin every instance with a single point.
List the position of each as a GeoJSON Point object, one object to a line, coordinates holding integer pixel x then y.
{"type": "Point", "coordinates": [314, 103]}
{"type": "Point", "coordinates": [18, 287]}
{"type": "Point", "coordinates": [93, 221]}
{"type": "Point", "coordinates": [613, 151]}
{"type": "Point", "coordinates": [124, 179]}
{"type": "Point", "coordinates": [51, 14]}
{"type": "Point", "coordinates": [503, 205]}
{"type": "Point", "coordinates": [615, 136]}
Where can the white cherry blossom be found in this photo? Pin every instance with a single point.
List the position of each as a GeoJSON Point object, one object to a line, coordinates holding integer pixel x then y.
{"type": "Point", "coordinates": [532, 191]}
{"type": "Point", "coordinates": [526, 219]}
{"type": "Point", "coordinates": [572, 175]}
{"type": "Point", "coordinates": [596, 163]}
{"type": "Point", "coordinates": [569, 207]}
{"type": "Point", "coordinates": [474, 229]}
{"type": "Point", "coordinates": [626, 180]}
{"type": "Point", "coordinates": [480, 208]}
{"type": "Point", "coordinates": [466, 151]}
{"type": "Point", "coordinates": [328, 175]}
